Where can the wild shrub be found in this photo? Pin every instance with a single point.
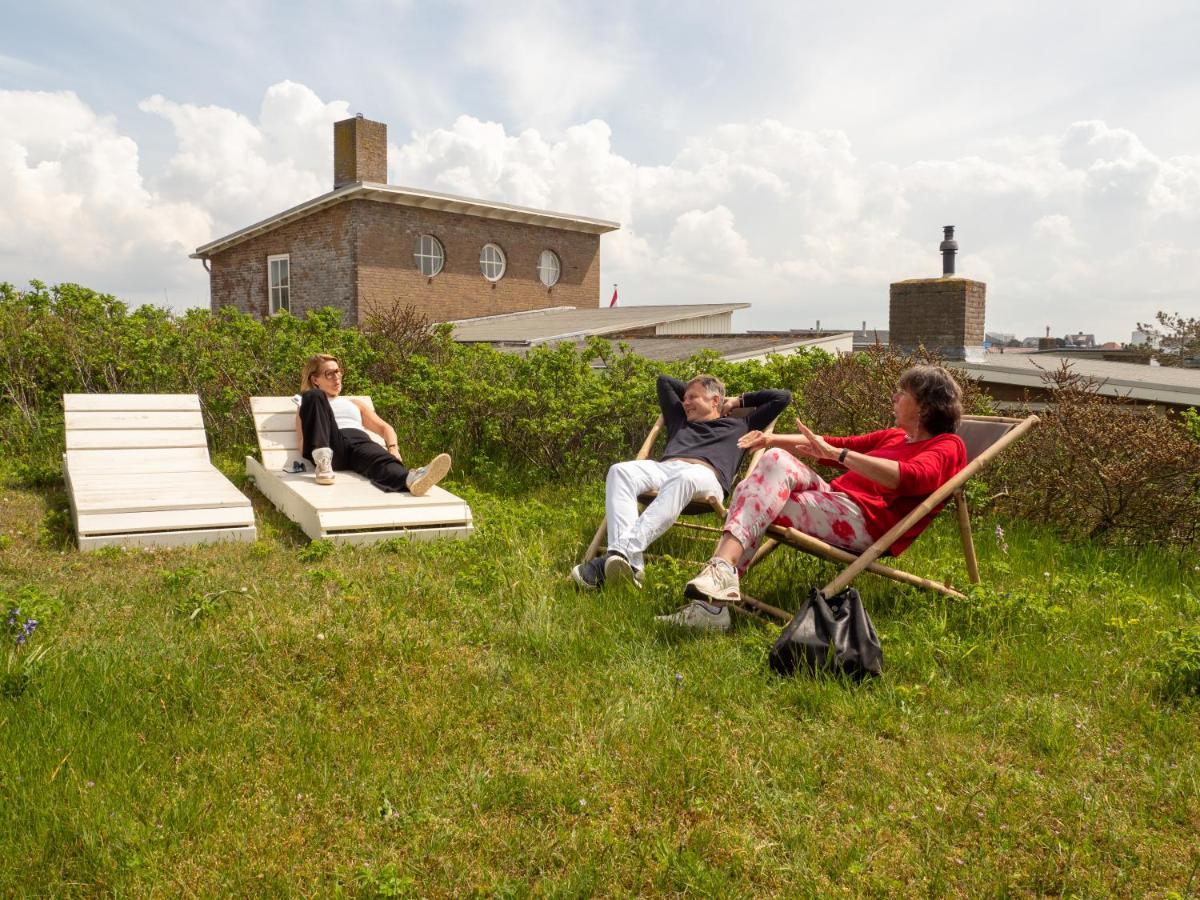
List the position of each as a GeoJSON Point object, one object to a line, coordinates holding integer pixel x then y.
{"type": "Point", "coordinates": [1175, 669]}
{"type": "Point", "coordinates": [1103, 468]}
{"type": "Point", "coordinates": [853, 393]}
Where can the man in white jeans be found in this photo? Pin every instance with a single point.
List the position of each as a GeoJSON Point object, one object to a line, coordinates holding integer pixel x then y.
{"type": "Point", "coordinates": [700, 458]}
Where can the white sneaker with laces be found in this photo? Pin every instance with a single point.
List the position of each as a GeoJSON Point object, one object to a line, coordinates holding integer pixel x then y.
{"type": "Point", "coordinates": [323, 460]}
{"type": "Point", "coordinates": [420, 480]}
{"type": "Point", "coordinates": [716, 581]}
{"type": "Point", "coordinates": [699, 616]}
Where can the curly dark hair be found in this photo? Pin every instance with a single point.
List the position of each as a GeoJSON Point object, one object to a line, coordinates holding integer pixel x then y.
{"type": "Point", "coordinates": [938, 395]}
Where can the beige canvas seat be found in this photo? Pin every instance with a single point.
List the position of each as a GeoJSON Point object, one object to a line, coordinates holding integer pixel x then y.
{"type": "Point", "coordinates": [352, 509]}
{"type": "Point", "coordinates": [138, 474]}
{"type": "Point", "coordinates": [700, 505]}
{"type": "Point", "coordinates": [985, 438]}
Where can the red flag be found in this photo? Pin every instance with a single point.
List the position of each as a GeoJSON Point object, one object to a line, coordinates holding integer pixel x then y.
{"type": "Point", "coordinates": [613, 301]}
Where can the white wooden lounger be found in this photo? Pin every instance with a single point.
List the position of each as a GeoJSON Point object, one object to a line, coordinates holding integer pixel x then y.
{"type": "Point", "coordinates": [138, 474]}
{"type": "Point", "coordinates": [352, 510]}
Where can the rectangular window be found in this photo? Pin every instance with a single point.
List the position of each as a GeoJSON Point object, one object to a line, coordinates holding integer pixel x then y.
{"type": "Point", "coordinates": [279, 282]}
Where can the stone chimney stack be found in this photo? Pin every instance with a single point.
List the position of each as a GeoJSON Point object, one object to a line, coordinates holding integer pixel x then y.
{"type": "Point", "coordinates": [943, 315]}
{"type": "Point", "coordinates": [359, 151]}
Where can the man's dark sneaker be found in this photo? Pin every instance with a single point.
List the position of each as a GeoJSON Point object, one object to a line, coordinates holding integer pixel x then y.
{"type": "Point", "coordinates": [590, 575]}
{"type": "Point", "coordinates": [618, 570]}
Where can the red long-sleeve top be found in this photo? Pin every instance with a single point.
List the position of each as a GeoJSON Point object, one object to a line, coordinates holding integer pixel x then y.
{"type": "Point", "coordinates": [924, 467]}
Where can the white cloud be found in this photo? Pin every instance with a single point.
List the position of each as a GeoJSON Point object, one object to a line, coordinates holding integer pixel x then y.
{"type": "Point", "coordinates": [74, 206]}
{"type": "Point", "coordinates": [1061, 225]}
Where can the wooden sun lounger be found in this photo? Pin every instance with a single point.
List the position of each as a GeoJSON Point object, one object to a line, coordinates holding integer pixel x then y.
{"type": "Point", "coordinates": [352, 510]}
{"type": "Point", "coordinates": [138, 474]}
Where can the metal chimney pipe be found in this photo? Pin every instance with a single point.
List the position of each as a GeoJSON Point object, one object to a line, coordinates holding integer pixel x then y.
{"type": "Point", "coordinates": [949, 248]}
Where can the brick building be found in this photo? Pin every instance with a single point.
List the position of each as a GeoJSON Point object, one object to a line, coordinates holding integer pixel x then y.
{"type": "Point", "coordinates": [367, 245]}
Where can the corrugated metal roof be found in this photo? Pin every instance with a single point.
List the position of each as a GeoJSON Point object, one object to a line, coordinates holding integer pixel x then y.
{"type": "Point", "coordinates": [565, 323]}
{"type": "Point", "coordinates": [1151, 384]}
{"type": "Point", "coordinates": [404, 196]}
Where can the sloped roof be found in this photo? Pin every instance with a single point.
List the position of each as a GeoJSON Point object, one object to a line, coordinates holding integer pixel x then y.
{"type": "Point", "coordinates": [566, 322]}
{"type": "Point", "coordinates": [404, 196]}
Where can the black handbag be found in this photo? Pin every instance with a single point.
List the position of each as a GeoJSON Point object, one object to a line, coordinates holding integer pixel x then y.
{"type": "Point", "coordinates": [834, 636]}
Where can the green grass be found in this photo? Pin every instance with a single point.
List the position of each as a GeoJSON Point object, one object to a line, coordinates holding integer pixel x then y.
{"type": "Point", "coordinates": [454, 718]}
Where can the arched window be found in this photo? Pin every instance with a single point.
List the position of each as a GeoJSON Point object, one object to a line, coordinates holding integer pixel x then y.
{"type": "Point", "coordinates": [429, 255]}
{"type": "Point", "coordinates": [492, 262]}
{"type": "Point", "coordinates": [549, 269]}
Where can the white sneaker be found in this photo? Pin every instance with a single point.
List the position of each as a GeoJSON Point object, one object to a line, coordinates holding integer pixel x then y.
{"type": "Point", "coordinates": [716, 581]}
{"type": "Point", "coordinates": [420, 480]}
{"type": "Point", "coordinates": [323, 459]}
{"type": "Point", "coordinates": [699, 616]}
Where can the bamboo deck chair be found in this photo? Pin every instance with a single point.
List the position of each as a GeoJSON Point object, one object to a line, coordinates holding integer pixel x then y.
{"type": "Point", "coordinates": [985, 438]}
{"type": "Point", "coordinates": [352, 510]}
{"type": "Point", "coordinates": [700, 505]}
{"type": "Point", "coordinates": [138, 474]}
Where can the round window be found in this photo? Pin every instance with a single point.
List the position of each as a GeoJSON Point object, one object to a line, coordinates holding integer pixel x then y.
{"type": "Point", "coordinates": [549, 268]}
{"type": "Point", "coordinates": [429, 255]}
{"type": "Point", "coordinates": [491, 262]}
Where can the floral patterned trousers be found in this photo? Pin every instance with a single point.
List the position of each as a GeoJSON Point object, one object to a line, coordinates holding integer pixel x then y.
{"type": "Point", "coordinates": [784, 491]}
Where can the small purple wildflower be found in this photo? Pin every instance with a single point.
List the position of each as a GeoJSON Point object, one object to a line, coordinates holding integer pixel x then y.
{"type": "Point", "coordinates": [12, 616]}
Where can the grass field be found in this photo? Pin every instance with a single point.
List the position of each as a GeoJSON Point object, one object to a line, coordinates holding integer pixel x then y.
{"type": "Point", "coordinates": [454, 718]}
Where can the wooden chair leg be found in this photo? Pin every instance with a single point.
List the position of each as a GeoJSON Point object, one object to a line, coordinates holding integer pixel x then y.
{"type": "Point", "coordinates": [594, 546]}
{"type": "Point", "coordinates": [964, 529]}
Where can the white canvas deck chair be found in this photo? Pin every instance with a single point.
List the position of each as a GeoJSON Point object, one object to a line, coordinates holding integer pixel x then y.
{"type": "Point", "coordinates": [701, 504]}
{"type": "Point", "coordinates": [138, 474]}
{"type": "Point", "coordinates": [352, 510]}
{"type": "Point", "coordinates": [985, 438]}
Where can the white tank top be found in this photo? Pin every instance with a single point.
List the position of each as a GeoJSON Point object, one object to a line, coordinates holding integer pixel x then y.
{"type": "Point", "coordinates": [346, 413]}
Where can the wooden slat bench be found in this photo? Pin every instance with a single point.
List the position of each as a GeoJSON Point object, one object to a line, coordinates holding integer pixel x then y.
{"type": "Point", "coordinates": [138, 474]}
{"type": "Point", "coordinates": [352, 510]}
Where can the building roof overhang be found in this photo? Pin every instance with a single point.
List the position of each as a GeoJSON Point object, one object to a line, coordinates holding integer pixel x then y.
{"type": "Point", "coordinates": [562, 323]}
{"type": "Point", "coordinates": [403, 196]}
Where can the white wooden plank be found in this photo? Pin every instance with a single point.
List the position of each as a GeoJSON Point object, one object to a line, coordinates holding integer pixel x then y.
{"type": "Point", "coordinates": [82, 402]}
{"type": "Point", "coordinates": [452, 532]}
{"type": "Point", "coordinates": [150, 459]}
{"type": "Point", "coordinates": [135, 499]}
{"type": "Point", "coordinates": [352, 491]}
{"type": "Point", "coordinates": [396, 516]}
{"type": "Point", "coordinates": [266, 405]}
{"type": "Point", "coordinates": [165, 520]}
{"type": "Point", "coordinates": [246, 533]}
{"type": "Point", "coordinates": [275, 421]}
{"type": "Point", "coordinates": [136, 439]}
{"type": "Point", "coordinates": [276, 459]}
{"type": "Point", "coordinates": [277, 440]}
{"type": "Point", "coordinates": [108, 420]}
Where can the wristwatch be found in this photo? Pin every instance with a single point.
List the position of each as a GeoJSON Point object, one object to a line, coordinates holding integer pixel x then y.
{"type": "Point", "coordinates": [842, 455]}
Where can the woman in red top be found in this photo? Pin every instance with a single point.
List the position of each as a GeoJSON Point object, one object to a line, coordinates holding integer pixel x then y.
{"type": "Point", "coordinates": [888, 473]}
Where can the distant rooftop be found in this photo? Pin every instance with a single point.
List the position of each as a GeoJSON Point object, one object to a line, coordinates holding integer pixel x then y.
{"type": "Point", "coordinates": [566, 323]}
{"type": "Point", "coordinates": [1148, 384]}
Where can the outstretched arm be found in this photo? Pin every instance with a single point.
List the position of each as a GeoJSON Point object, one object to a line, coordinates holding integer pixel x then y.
{"type": "Point", "coordinates": [380, 427]}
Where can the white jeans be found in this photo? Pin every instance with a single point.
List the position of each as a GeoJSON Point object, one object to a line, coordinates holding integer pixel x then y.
{"type": "Point", "coordinates": [677, 482]}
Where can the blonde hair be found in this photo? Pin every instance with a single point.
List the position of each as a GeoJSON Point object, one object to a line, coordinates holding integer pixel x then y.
{"type": "Point", "coordinates": [312, 367]}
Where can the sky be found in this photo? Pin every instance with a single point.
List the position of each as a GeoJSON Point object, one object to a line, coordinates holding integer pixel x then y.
{"type": "Point", "coordinates": [799, 157]}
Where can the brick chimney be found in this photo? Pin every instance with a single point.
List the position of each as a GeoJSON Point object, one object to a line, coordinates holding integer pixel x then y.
{"type": "Point", "coordinates": [359, 151]}
{"type": "Point", "coordinates": [944, 315]}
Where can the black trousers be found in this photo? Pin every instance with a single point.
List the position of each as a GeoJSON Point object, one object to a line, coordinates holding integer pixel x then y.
{"type": "Point", "coordinates": [352, 449]}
